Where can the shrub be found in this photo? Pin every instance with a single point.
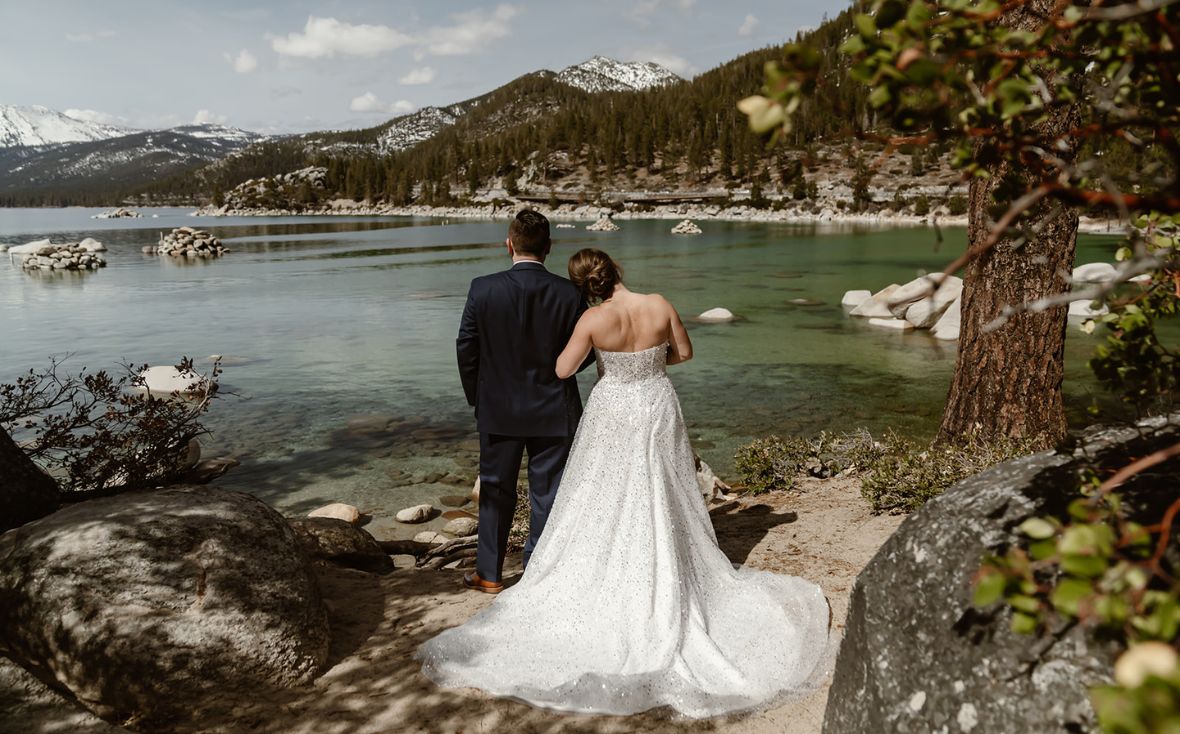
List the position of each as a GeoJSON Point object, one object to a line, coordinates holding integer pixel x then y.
{"type": "Point", "coordinates": [957, 205]}
{"type": "Point", "coordinates": [905, 475]}
{"type": "Point", "coordinates": [921, 206]}
{"type": "Point", "coordinates": [768, 464]}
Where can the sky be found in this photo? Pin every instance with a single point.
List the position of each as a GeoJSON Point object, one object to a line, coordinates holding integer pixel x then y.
{"type": "Point", "coordinates": [279, 67]}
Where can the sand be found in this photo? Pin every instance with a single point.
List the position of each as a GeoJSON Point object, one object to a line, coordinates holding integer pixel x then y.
{"type": "Point", "coordinates": [823, 531]}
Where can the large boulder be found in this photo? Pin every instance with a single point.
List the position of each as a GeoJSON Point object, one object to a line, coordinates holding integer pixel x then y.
{"type": "Point", "coordinates": [877, 305]}
{"type": "Point", "coordinates": [341, 543]}
{"type": "Point", "coordinates": [1094, 273]}
{"type": "Point", "coordinates": [918, 656]}
{"type": "Point", "coordinates": [947, 326]}
{"type": "Point", "coordinates": [148, 606]}
{"type": "Point", "coordinates": [852, 299]}
{"type": "Point", "coordinates": [165, 380]}
{"type": "Point", "coordinates": [915, 290]}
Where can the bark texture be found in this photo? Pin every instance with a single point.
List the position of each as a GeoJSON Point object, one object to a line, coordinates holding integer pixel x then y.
{"type": "Point", "coordinates": [26, 492]}
{"type": "Point", "coordinates": [1007, 381]}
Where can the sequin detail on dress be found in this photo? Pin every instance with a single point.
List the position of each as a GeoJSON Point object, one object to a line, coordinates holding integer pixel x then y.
{"type": "Point", "coordinates": [628, 603]}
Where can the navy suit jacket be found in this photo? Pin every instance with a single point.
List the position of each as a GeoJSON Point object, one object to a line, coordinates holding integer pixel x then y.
{"type": "Point", "coordinates": [514, 326]}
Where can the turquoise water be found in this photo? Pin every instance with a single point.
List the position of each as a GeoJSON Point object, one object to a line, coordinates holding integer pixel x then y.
{"type": "Point", "coordinates": [339, 334]}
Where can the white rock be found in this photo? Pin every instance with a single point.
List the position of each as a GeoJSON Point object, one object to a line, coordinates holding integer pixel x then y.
{"type": "Point", "coordinates": [877, 305]}
{"type": "Point", "coordinates": [1141, 279]}
{"type": "Point", "coordinates": [430, 536]}
{"type": "Point", "coordinates": [1094, 273]}
{"type": "Point", "coordinates": [475, 491]}
{"type": "Point", "coordinates": [898, 324]}
{"type": "Point", "coordinates": [947, 327]}
{"type": "Point", "coordinates": [914, 291]}
{"type": "Point", "coordinates": [686, 227]}
{"type": "Point", "coordinates": [92, 245]}
{"type": "Point", "coordinates": [28, 248]}
{"type": "Point", "coordinates": [715, 315]}
{"type": "Point", "coordinates": [168, 380]}
{"type": "Point", "coordinates": [852, 299]}
{"type": "Point", "coordinates": [338, 510]}
{"type": "Point", "coordinates": [461, 526]}
{"type": "Point", "coordinates": [415, 514]}
{"type": "Point", "coordinates": [603, 225]}
{"type": "Point", "coordinates": [3, 248]}
{"type": "Point", "coordinates": [1084, 309]}
{"type": "Point", "coordinates": [708, 482]}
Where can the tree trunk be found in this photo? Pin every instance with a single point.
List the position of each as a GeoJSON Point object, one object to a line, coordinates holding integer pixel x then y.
{"type": "Point", "coordinates": [1007, 381]}
{"type": "Point", "coordinates": [26, 492]}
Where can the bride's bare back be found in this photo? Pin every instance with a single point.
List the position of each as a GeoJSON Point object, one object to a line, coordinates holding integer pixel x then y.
{"type": "Point", "coordinates": [626, 322]}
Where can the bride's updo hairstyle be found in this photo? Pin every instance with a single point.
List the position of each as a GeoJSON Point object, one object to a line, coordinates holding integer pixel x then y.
{"type": "Point", "coordinates": [595, 274]}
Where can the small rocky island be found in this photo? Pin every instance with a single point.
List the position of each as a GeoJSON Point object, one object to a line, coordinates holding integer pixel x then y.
{"type": "Point", "coordinates": [187, 242]}
{"type": "Point", "coordinates": [43, 256]}
{"type": "Point", "coordinates": [119, 213]}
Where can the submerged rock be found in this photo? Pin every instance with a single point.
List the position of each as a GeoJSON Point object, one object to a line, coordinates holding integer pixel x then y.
{"type": "Point", "coordinates": [896, 324]}
{"type": "Point", "coordinates": [167, 380]}
{"type": "Point", "coordinates": [717, 315]}
{"type": "Point", "coordinates": [149, 606]}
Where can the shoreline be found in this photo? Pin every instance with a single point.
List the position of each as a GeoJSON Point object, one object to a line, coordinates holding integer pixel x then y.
{"type": "Point", "coordinates": [567, 213]}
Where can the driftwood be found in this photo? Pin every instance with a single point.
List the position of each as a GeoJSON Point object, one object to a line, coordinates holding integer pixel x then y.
{"type": "Point", "coordinates": [431, 556]}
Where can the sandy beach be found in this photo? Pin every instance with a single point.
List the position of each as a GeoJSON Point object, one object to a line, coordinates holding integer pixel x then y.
{"type": "Point", "coordinates": [823, 531]}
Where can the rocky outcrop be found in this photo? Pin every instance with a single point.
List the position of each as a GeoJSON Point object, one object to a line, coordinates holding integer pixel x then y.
{"type": "Point", "coordinates": [119, 213]}
{"type": "Point", "coordinates": [341, 543]}
{"type": "Point", "coordinates": [188, 242]}
{"type": "Point", "coordinates": [603, 225]}
{"type": "Point", "coordinates": [918, 656]}
{"type": "Point", "coordinates": [286, 188]}
{"type": "Point", "coordinates": [686, 227]}
{"type": "Point", "coordinates": [149, 606]}
{"type": "Point", "coordinates": [71, 256]}
{"type": "Point", "coordinates": [877, 305]}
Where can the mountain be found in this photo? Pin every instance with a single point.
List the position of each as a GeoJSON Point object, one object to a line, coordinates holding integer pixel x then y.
{"type": "Point", "coordinates": [602, 74]}
{"type": "Point", "coordinates": [37, 125]}
{"type": "Point", "coordinates": [87, 172]}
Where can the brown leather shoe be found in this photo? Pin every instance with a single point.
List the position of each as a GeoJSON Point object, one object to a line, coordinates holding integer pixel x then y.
{"type": "Point", "coordinates": [472, 580]}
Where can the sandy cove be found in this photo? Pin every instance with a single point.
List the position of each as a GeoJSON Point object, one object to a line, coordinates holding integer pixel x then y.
{"type": "Point", "coordinates": [823, 532]}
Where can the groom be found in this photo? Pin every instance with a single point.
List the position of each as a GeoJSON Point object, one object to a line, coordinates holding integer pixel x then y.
{"type": "Point", "coordinates": [514, 326]}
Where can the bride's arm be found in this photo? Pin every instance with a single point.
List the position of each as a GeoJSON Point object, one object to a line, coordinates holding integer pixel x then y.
{"type": "Point", "coordinates": [679, 345]}
{"type": "Point", "coordinates": [576, 351]}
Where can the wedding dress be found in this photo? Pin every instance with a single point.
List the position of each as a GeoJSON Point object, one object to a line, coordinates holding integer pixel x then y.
{"type": "Point", "coordinates": [628, 603]}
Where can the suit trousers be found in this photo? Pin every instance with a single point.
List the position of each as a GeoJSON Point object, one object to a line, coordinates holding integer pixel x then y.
{"type": "Point", "coordinates": [499, 467]}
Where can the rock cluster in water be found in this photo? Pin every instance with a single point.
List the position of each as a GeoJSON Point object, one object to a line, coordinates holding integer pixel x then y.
{"type": "Point", "coordinates": [188, 242]}
{"type": "Point", "coordinates": [686, 227]}
{"type": "Point", "coordinates": [82, 255]}
{"type": "Point", "coordinates": [119, 213]}
{"type": "Point", "coordinates": [929, 302]}
{"type": "Point", "coordinates": [603, 225]}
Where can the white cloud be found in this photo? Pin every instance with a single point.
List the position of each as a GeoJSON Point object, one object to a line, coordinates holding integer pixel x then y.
{"type": "Point", "coordinates": [421, 75]}
{"type": "Point", "coordinates": [670, 61]}
{"type": "Point", "coordinates": [244, 63]}
{"type": "Point", "coordinates": [327, 37]}
{"type": "Point", "coordinates": [748, 25]}
{"type": "Point", "coordinates": [369, 102]}
{"type": "Point", "coordinates": [644, 9]}
{"type": "Point", "coordinates": [471, 31]}
{"type": "Point", "coordinates": [205, 117]}
{"type": "Point", "coordinates": [88, 36]}
{"type": "Point", "coordinates": [102, 118]}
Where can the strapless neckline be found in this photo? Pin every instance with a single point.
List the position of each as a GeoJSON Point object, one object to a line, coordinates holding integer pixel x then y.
{"type": "Point", "coordinates": [661, 345]}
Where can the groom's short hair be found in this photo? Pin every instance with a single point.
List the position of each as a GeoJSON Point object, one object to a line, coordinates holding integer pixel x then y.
{"type": "Point", "coordinates": [529, 233]}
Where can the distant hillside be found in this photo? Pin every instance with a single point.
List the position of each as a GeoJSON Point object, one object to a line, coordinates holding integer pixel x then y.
{"type": "Point", "coordinates": [88, 172]}
{"type": "Point", "coordinates": [37, 125]}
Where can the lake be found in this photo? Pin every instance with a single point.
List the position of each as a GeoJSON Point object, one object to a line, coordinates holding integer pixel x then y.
{"type": "Point", "coordinates": [339, 335]}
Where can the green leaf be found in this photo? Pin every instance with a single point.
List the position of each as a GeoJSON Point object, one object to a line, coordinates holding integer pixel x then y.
{"type": "Point", "coordinates": [1068, 594]}
{"type": "Point", "coordinates": [1038, 528]}
{"type": "Point", "coordinates": [865, 25]}
{"type": "Point", "coordinates": [880, 96]}
{"type": "Point", "coordinates": [1024, 624]}
{"type": "Point", "coordinates": [990, 588]}
{"type": "Point", "coordinates": [853, 46]}
{"type": "Point", "coordinates": [918, 15]}
{"type": "Point", "coordinates": [1024, 603]}
{"type": "Point", "coordinates": [1079, 539]}
{"type": "Point", "coordinates": [1085, 566]}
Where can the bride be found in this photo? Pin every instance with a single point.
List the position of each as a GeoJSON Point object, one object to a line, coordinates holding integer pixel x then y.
{"type": "Point", "coordinates": [628, 603]}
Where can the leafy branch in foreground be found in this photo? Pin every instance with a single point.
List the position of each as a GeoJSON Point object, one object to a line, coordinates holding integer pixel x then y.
{"type": "Point", "coordinates": [96, 432]}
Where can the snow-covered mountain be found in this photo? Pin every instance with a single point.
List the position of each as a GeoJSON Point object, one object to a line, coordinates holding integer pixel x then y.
{"type": "Point", "coordinates": [409, 130]}
{"type": "Point", "coordinates": [37, 125]}
{"type": "Point", "coordinates": [602, 74]}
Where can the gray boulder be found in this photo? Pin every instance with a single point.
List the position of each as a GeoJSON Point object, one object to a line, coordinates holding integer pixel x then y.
{"type": "Point", "coordinates": [147, 607]}
{"type": "Point", "coordinates": [917, 656]}
{"type": "Point", "coordinates": [342, 543]}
